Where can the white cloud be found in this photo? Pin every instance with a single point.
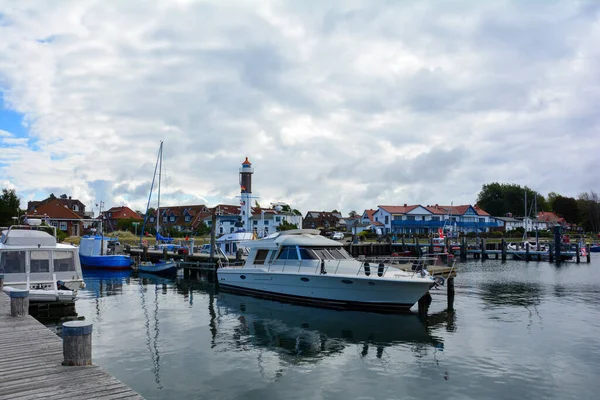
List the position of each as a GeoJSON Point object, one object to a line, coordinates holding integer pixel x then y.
{"type": "Point", "coordinates": [338, 105]}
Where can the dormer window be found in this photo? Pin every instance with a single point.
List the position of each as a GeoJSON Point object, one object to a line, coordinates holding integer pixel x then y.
{"type": "Point", "coordinates": [164, 219]}
{"type": "Point", "coordinates": [188, 218]}
{"type": "Point", "coordinates": [172, 219]}
{"type": "Point", "coordinates": [75, 207]}
{"type": "Point", "coordinates": [151, 219]}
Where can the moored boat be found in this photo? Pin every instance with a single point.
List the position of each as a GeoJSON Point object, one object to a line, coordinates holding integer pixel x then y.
{"type": "Point", "coordinates": [94, 253]}
{"type": "Point", "coordinates": [30, 258]}
{"type": "Point", "coordinates": [164, 268]}
{"type": "Point", "coordinates": [303, 267]}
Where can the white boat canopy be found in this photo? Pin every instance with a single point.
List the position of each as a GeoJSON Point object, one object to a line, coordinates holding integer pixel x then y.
{"type": "Point", "coordinates": [30, 238]}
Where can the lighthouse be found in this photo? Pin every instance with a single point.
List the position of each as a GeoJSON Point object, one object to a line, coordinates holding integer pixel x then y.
{"type": "Point", "coordinates": [246, 172]}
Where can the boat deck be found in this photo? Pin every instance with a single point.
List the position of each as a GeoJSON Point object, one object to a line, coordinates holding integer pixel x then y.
{"type": "Point", "coordinates": [30, 365]}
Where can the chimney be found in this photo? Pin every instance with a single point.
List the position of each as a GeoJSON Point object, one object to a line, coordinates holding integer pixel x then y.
{"type": "Point", "coordinates": [405, 205]}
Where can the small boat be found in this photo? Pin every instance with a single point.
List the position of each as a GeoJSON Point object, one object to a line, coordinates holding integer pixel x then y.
{"type": "Point", "coordinates": [161, 268]}
{"type": "Point", "coordinates": [301, 266]}
{"type": "Point", "coordinates": [595, 248]}
{"type": "Point", "coordinates": [30, 258]}
{"type": "Point", "coordinates": [94, 252]}
{"type": "Point", "coordinates": [45, 295]}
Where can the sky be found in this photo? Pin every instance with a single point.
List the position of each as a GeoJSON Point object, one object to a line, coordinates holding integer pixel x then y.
{"type": "Point", "coordinates": [341, 105]}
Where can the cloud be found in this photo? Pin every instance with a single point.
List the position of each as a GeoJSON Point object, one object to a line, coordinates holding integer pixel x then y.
{"type": "Point", "coordinates": [338, 105]}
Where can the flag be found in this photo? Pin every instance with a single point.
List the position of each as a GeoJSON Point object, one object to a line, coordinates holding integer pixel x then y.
{"type": "Point", "coordinates": [242, 202]}
{"type": "Point", "coordinates": [243, 188]}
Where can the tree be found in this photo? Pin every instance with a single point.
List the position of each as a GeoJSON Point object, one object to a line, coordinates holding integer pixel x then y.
{"type": "Point", "coordinates": [498, 199]}
{"type": "Point", "coordinates": [568, 208]}
{"type": "Point", "coordinates": [352, 214]}
{"type": "Point", "coordinates": [286, 226]}
{"type": "Point", "coordinates": [589, 210]}
{"type": "Point", "coordinates": [9, 206]}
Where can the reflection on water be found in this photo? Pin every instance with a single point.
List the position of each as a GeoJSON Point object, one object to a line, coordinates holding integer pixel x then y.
{"type": "Point", "coordinates": [168, 337]}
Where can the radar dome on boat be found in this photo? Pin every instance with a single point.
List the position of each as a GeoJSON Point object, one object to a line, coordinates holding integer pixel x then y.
{"type": "Point", "coordinates": [33, 221]}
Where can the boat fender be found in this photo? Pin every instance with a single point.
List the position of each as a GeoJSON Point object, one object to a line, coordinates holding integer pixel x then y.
{"type": "Point", "coordinates": [367, 269]}
{"type": "Point", "coordinates": [144, 243]}
{"type": "Point", "coordinates": [439, 281]}
{"type": "Point", "coordinates": [323, 272]}
{"type": "Point", "coordinates": [380, 269]}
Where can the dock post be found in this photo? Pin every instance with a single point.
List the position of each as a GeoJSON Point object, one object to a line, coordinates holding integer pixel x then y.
{"type": "Point", "coordinates": [417, 247]}
{"type": "Point", "coordinates": [403, 244]}
{"type": "Point", "coordinates": [19, 303]}
{"type": "Point", "coordinates": [551, 253]}
{"type": "Point", "coordinates": [527, 251]}
{"type": "Point", "coordinates": [503, 244]}
{"type": "Point", "coordinates": [557, 243]}
{"type": "Point", "coordinates": [577, 253]}
{"type": "Point", "coordinates": [483, 249]}
{"type": "Point", "coordinates": [77, 343]}
{"type": "Point", "coordinates": [588, 258]}
{"type": "Point", "coordinates": [450, 292]}
{"type": "Point", "coordinates": [145, 253]}
{"type": "Point", "coordinates": [164, 253]}
{"type": "Point", "coordinates": [1, 281]}
{"type": "Point", "coordinates": [463, 250]}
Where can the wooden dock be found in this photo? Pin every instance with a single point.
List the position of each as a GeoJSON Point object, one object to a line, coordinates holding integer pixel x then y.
{"type": "Point", "coordinates": [31, 365]}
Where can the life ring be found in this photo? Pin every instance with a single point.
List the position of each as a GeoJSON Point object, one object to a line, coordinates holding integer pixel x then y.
{"type": "Point", "coordinates": [144, 243]}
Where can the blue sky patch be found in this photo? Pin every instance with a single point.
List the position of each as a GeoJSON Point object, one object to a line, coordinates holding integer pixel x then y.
{"type": "Point", "coordinates": [11, 121]}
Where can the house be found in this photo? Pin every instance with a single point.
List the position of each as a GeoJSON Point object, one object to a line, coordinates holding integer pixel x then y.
{"type": "Point", "coordinates": [115, 214]}
{"type": "Point", "coordinates": [58, 213]}
{"type": "Point", "coordinates": [321, 220]}
{"type": "Point", "coordinates": [263, 221]}
{"type": "Point", "coordinates": [179, 218]}
{"type": "Point", "coordinates": [419, 219]}
{"type": "Point", "coordinates": [551, 219]}
{"type": "Point", "coordinates": [508, 224]}
{"type": "Point", "coordinates": [73, 204]}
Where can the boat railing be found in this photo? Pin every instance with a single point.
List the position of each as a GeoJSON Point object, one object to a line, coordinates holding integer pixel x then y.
{"type": "Point", "coordinates": [332, 267]}
{"type": "Point", "coordinates": [44, 228]}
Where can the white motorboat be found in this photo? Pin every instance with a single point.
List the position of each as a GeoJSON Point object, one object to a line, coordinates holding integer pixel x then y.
{"type": "Point", "coordinates": [31, 259]}
{"type": "Point", "coordinates": [303, 267]}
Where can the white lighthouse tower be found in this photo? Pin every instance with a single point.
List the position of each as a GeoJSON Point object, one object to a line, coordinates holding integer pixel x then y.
{"type": "Point", "coordinates": [246, 172]}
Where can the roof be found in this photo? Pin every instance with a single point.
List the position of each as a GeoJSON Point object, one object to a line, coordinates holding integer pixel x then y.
{"type": "Point", "coordinates": [122, 212]}
{"type": "Point", "coordinates": [246, 162]}
{"type": "Point", "coordinates": [547, 216]}
{"type": "Point", "coordinates": [297, 237]}
{"type": "Point", "coordinates": [399, 209]}
{"type": "Point", "coordinates": [54, 210]}
{"type": "Point", "coordinates": [456, 210]}
{"type": "Point", "coordinates": [507, 219]}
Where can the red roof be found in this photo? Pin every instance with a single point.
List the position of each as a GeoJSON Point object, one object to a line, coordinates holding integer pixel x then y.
{"type": "Point", "coordinates": [398, 209]}
{"type": "Point", "coordinates": [54, 210]}
{"type": "Point", "coordinates": [455, 210]}
{"type": "Point", "coordinates": [122, 212]}
{"type": "Point", "coordinates": [547, 216]}
{"type": "Point", "coordinates": [246, 162]}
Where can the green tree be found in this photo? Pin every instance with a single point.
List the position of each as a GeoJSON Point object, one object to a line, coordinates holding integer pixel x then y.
{"type": "Point", "coordinates": [9, 206]}
{"type": "Point", "coordinates": [352, 214]}
{"type": "Point", "coordinates": [568, 208]}
{"type": "Point", "coordinates": [286, 226]}
{"type": "Point", "coordinates": [498, 199]}
{"type": "Point", "coordinates": [589, 210]}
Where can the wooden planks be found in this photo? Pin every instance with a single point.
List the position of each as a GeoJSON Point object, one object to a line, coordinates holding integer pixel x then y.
{"type": "Point", "coordinates": [31, 365]}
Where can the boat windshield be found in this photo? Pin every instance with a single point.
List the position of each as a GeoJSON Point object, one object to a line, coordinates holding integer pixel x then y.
{"type": "Point", "coordinates": [323, 253]}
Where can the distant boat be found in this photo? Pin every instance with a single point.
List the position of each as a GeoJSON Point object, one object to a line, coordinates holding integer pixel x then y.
{"type": "Point", "coordinates": [161, 268]}
{"type": "Point", "coordinates": [595, 248]}
{"type": "Point", "coordinates": [94, 253]}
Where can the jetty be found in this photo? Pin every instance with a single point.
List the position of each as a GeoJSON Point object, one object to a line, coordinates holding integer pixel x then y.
{"type": "Point", "coordinates": [31, 358]}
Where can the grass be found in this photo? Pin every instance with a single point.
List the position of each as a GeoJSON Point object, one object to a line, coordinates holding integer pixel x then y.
{"type": "Point", "coordinates": [126, 237]}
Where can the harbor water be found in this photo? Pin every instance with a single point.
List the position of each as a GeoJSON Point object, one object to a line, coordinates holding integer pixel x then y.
{"type": "Point", "coordinates": [519, 330]}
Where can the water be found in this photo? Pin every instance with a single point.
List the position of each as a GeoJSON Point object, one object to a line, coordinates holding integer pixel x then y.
{"type": "Point", "coordinates": [519, 330]}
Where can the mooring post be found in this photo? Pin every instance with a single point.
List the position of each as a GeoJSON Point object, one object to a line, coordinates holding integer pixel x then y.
{"type": "Point", "coordinates": [588, 258]}
{"type": "Point", "coordinates": [403, 244]}
{"type": "Point", "coordinates": [450, 292]}
{"type": "Point", "coordinates": [77, 343]}
{"type": "Point", "coordinates": [417, 247]}
{"type": "Point", "coordinates": [503, 249]}
{"type": "Point", "coordinates": [19, 303]}
{"type": "Point", "coordinates": [463, 250]}
{"type": "Point", "coordinates": [1, 281]}
{"type": "Point", "coordinates": [145, 253]}
{"type": "Point", "coordinates": [557, 243]}
{"type": "Point", "coordinates": [577, 253]}
{"type": "Point", "coordinates": [165, 253]}
{"type": "Point", "coordinates": [551, 252]}
{"type": "Point", "coordinates": [483, 249]}
{"type": "Point", "coordinates": [527, 251]}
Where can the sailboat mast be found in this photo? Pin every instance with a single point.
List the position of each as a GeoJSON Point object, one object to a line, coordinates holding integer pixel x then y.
{"type": "Point", "coordinates": [525, 217]}
{"type": "Point", "coordinates": [159, 176]}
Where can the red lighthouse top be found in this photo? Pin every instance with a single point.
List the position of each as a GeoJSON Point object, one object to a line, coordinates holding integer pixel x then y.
{"type": "Point", "coordinates": [246, 162]}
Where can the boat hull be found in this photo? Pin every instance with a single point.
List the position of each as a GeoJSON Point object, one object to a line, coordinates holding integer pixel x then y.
{"type": "Point", "coordinates": [109, 262]}
{"type": "Point", "coordinates": [329, 291]}
{"type": "Point", "coordinates": [164, 269]}
{"type": "Point", "coordinates": [45, 296]}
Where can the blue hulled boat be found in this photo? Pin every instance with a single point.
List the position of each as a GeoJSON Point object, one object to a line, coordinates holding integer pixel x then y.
{"type": "Point", "coordinates": [165, 268]}
{"type": "Point", "coordinates": [94, 252]}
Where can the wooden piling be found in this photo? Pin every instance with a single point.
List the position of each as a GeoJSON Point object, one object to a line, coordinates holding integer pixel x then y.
{"type": "Point", "coordinates": [527, 251]}
{"type": "Point", "coordinates": [403, 244]}
{"type": "Point", "coordinates": [588, 257]}
{"type": "Point", "coordinates": [503, 244]}
{"type": "Point", "coordinates": [450, 292]}
{"type": "Point", "coordinates": [19, 303]}
{"type": "Point", "coordinates": [417, 247]}
{"type": "Point", "coordinates": [165, 253]}
{"type": "Point", "coordinates": [1, 281]}
{"type": "Point", "coordinates": [577, 253]}
{"type": "Point", "coordinates": [463, 249]}
{"type": "Point", "coordinates": [483, 249]}
{"type": "Point", "coordinates": [431, 245]}
{"type": "Point", "coordinates": [77, 343]}
{"type": "Point", "coordinates": [557, 243]}
{"type": "Point", "coordinates": [551, 252]}
{"type": "Point", "coordinates": [145, 253]}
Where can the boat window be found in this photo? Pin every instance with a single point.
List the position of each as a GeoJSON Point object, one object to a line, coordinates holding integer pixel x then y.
{"type": "Point", "coordinates": [39, 261]}
{"type": "Point", "coordinates": [64, 261]}
{"type": "Point", "coordinates": [307, 254]}
{"type": "Point", "coordinates": [261, 256]}
{"type": "Point", "coordinates": [329, 253]}
{"type": "Point", "coordinates": [288, 253]}
{"type": "Point", "coordinates": [323, 254]}
{"type": "Point", "coordinates": [12, 262]}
